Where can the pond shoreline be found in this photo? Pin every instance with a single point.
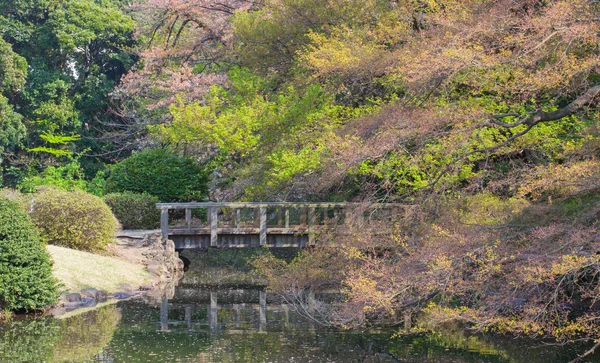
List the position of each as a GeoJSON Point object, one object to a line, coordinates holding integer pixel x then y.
{"type": "Point", "coordinates": [138, 264]}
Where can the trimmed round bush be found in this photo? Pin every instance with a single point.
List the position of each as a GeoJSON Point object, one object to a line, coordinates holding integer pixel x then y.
{"type": "Point", "coordinates": [161, 173]}
{"type": "Point", "coordinates": [26, 281]}
{"type": "Point", "coordinates": [133, 210]}
{"type": "Point", "coordinates": [75, 219]}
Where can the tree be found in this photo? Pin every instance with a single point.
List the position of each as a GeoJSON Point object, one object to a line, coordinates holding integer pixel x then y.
{"type": "Point", "coordinates": [77, 51]}
{"type": "Point", "coordinates": [26, 281]}
{"type": "Point", "coordinates": [13, 70]}
{"type": "Point", "coordinates": [539, 116]}
{"type": "Point", "coordinates": [183, 45]}
{"type": "Point", "coordinates": [160, 173]}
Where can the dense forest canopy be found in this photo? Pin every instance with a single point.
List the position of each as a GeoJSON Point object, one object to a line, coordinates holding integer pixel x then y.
{"type": "Point", "coordinates": [300, 99]}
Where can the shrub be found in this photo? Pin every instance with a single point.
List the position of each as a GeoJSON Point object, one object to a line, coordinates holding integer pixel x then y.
{"type": "Point", "coordinates": [16, 196]}
{"type": "Point", "coordinates": [67, 177]}
{"type": "Point", "coordinates": [73, 219]}
{"type": "Point", "coordinates": [26, 281]}
{"type": "Point", "coordinates": [134, 211]}
{"type": "Point", "coordinates": [161, 173]}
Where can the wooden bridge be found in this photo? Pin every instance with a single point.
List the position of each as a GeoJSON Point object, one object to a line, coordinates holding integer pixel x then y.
{"type": "Point", "coordinates": [256, 224]}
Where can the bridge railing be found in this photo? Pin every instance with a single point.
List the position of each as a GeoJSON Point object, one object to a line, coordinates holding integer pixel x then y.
{"type": "Point", "coordinates": [262, 218]}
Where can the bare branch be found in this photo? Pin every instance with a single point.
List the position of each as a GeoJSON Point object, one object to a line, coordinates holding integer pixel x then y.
{"type": "Point", "coordinates": [537, 117]}
{"type": "Point", "coordinates": [589, 352]}
{"type": "Point", "coordinates": [540, 116]}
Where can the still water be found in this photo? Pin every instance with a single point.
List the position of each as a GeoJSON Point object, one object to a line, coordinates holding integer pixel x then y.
{"type": "Point", "coordinates": [229, 325]}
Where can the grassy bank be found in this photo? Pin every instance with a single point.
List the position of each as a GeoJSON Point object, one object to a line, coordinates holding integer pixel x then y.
{"type": "Point", "coordinates": [78, 270]}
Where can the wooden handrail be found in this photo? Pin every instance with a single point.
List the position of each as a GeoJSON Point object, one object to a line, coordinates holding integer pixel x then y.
{"type": "Point", "coordinates": [195, 205]}
{"type": "Point", "coordinates": [307, 214]}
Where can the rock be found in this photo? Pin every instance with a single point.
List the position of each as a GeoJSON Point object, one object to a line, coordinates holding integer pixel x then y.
{"type": "Point", "coordinates": [74, 297]}
{"type": "Point", "coordinates": [71, 305]}
{"type": "Point", "coordinates": [122, 295]}
{"type": "Point", "coordinates": [162, 261]}
{"type": "Point", "coordinates": [88, 302]}
{"type": "Point", "coordinates": [170, 245]}
{"type": "Point", "coordinates": [146, 287]}
{"type": "Point", "coordinates": [155, 270]}
{"type": "Point", "coordinates": [156, 281]}
{"type": "Point", "coordinates": [101, 295]}
{"type": "Point", "coordinates": [180, 264]}
{"type": "Point", "coordinates": [91, 293]}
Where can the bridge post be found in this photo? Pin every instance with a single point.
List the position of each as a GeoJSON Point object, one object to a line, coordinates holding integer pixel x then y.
{"type": "Point", "coordinates": [262, 311]}
{"type": "Point", "coordinates": [188, 317]}
{"type": "Point", "coordinates": [164, 314]}
{"type": "Point", "coordinates": [213, 311]}
{"type": "Point", "coordinates": [256, 222]}
{"type": "Point", "coordinates": [238, 218]}
{"type": "Point", "coordinates": [164, 222]}
{"type": "Point", "coordinates": [287, 218]}
{"type": "Point", "coordinates": [263, 226]}
{"type": "Point", "coordinates": [236, 307]}
{"type": "Point", "coordinates": [214, 224]}
{"type": "Point", "coordinates": [188, 218]}
{"type": "Point", "coordinates": [311, 225]}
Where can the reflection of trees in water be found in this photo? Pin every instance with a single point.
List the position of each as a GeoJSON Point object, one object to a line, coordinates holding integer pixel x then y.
{"type": "Point", "coordinates": [131, 333]}
{"type": "Point", "coordinates": [76, 338]}
{"type": "Point", "coordinates": [83, 336]}
{"type": "Point", "coordinates": [242, 334]}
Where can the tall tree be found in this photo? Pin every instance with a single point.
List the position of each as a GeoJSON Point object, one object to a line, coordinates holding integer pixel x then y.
{"type": "Point", "coordinates": [13, 70]}
{"type": "Point", "coordinates": [77, 51]}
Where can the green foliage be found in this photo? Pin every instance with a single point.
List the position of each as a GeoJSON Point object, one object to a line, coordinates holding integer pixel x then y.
{"type": "Point", "coordinates": [267, 137]}
{"type": "Point", "coordinates": [161, 173]}
{"type": "Point", "coordinates": [13, 70]}
{"type": "Point", "coordinates": [69, 177]}
{"type": "Point", "coordinates": [68, 56]}
{"type": "Point", "coordinates": [271, 37]}
{"type": "Point", "coordinates": [133, 210]}
{"type": "Point", "coordinates": [12, 129]}
{"type": "Point", "coordinates": [58, 140]}
{"type": "Point", "coordinates": [26, 281]}
{"type": "Point", "coordinates": [488, 209]}
{"type": "Point", "coordinates": [73, 219]}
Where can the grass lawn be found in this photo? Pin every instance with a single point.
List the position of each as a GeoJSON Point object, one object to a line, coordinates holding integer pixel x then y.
{"type": "Point", "coordinates": [77, 270]}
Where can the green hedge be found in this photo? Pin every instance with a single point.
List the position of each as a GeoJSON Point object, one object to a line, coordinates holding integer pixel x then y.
{"type": "Point", "coordinates": [133, 210]}
{"type": "Point", "coordinates": [26, 281]}
{"type": "Point", "coordinates": [161, 173]}
{"type": "Point", "coordinates": [73, 219]}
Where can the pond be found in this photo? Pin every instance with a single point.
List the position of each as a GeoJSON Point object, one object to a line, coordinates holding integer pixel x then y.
{"type": "Point", "coordinates": [230, 325]}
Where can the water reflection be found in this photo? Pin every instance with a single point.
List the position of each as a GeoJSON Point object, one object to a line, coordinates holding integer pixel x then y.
{"type": "Point", "coordinates": [74, 339]}
{"type": "Point", "coordinates": [212, 309]}
{"type": "Point", "coordinates": [241, 326]}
